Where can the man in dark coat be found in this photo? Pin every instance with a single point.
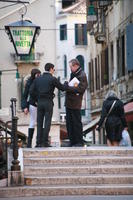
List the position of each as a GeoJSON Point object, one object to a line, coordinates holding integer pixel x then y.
{"type": "Point", "coordinates": [115, 122]}
{"type": "Point", "coordinates": [43, 88]}
{"type": "Point", "coordinates": [73, 104]}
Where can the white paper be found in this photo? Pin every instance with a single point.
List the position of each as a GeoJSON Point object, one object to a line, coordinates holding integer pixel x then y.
{"type": "Point", "coordinates": [73, 81]}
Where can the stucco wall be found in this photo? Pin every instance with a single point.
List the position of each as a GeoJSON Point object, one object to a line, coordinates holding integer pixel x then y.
{"type": "Point", "coordinates": [41, 13]}
{"type": "Point", "coordinates": [68, 47]}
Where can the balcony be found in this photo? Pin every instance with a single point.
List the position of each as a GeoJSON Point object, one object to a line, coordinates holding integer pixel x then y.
{"type": "Point", "coordinates": [34, 58]}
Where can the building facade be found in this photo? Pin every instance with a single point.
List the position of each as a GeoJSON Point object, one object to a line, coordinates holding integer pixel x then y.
{"type": "Point", "coordinates": [111, 59]}
{"type": "Point", "coordinates": [42, 13]}
{"type": "Point", "coordinates": [44, 49]}
{"type": "Point", "coordinates": [72, 42]}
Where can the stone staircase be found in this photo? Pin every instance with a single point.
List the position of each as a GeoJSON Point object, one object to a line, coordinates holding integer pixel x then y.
{"type": "Point", "coordinates": [75, 171]}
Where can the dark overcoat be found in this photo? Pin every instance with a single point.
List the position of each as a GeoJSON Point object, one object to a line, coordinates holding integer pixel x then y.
{"type": "Point", "coordinates": [74, 96]}
{"type": "Point", "coordinates": [116, 121]}
{"type": "Point", "coordinates": [27, 98]}
{"type": "Point", "coordinates": [43, 87]}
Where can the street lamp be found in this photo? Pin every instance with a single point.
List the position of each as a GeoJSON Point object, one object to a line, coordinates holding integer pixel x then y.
{"type": "Point", "coordinates": [22, 34]}
{"type": "Point", "coordinates": [91, 13]}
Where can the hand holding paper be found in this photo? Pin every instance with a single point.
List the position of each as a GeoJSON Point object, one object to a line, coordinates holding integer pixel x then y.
{"type": "Point", "coordinates": [74, 82]}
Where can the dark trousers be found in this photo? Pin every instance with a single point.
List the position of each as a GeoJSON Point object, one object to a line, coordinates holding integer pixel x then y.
{"type": "Point", "coordinates": [74, 126]}
{"type": "Point", "coordinates": [44, 117]}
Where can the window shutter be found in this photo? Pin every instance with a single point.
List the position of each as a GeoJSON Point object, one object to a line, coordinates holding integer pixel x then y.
{"type": "Point", "coordinates": [98, 71]}
{"type": "Point", "coordinates": [60, 33]}
{"type": "Point", "coordinates": [65, 66]}
{"type": "Point", "coordinates": [102, 67]}
{"type": "Point", "coordinates": [106, 75]}
{"type": "Point", "coordinates": [59, 96]}
{"type": "Point", "coordinates": [85, 34]}
{"type": "Point", "coordinates": [63, 32]}
{"type": "Point", "coordinates": [76, 34]}
{"type": "Point", "coordinates": [123, 54]}
{"type": "Point", "coordinates": [91, 77]}
{"type": "Point", "coordinates": [129, 47]}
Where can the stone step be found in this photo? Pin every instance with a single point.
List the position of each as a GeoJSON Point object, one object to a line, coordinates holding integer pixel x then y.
{"type": "Point", "coordinates": [84, 160]}
{"type": "Point", "coordinates": [77, 151]}
{"type": "Point", "coordinates": [27, 191]}
{"type": "Point", "coordinates": [70, 170]}
{"type": "Point", "coordinates": [87, 179]}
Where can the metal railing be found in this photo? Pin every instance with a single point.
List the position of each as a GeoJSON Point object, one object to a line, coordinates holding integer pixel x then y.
{"type": "Point", "coordinates": [9, 138]}
{"type": "Point", "coordinates": [5, 142]}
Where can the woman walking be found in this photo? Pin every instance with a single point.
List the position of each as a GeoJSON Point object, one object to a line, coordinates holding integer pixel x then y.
{"type": "Point", "coordinates": [113, 111]}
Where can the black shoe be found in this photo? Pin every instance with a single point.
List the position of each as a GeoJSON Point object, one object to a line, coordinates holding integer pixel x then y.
{"type": "Point", "coordinates": [46, 145]}
{"type": "Point", "coordinates": [69, 144]}
{"type": "Point", "coordinates": [29, 146]}
{"type": "Point", "coordinates": [78, 145]}
{"type": "Point", "coordinates": [38, 145]}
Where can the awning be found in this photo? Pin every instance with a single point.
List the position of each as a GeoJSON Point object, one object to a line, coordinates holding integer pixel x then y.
{"type": "Point", "coordinates": [128, 107]}
{"type": "Point", "coordinates": [90, 126]}
{"type": "Point", "coordinates": [129, 111]}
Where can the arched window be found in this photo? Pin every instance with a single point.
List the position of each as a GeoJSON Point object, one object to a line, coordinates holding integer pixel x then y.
{"type": "Point", "coordinates": [65, 66]}
{"type": "Point", "coordinates": [81, 60]}
{"type": "Point", "coordinates": [80, 34]}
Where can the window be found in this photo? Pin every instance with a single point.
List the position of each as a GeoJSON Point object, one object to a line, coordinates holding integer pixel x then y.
{"type": "Point", "coordinates": [121, 56]}
{"type": "Point", "coordinates": [82, 112]}
{"type": "Point", "coordinates": [106, 74]}
{"type": "Point", "coordinates": [80, 34]}
{"type": "Point", "coordinates": [65, 66]}
{"type": "Point", "coordinates": [118, 58]}
{"type": "Point", "coordinates": [112, 60]}
{"type": "Point", "coordinates": [81, 61]}
{"type": "Point", "coordinates": [63, 32]}
{"type": "Point", "coordinates": [59, 96]}
{"type": "Point", "coordinates": [129, 46]}
{"type": "Point", "coordinates": [105, 3]}
{"type": "Point", "coordinates": [97, 73]}
{"type": "Point", "coordinates": [104, 67]}
{"type": "Point", "coordinates": [67, 3]}
{"type": "Point", "coordinates": [91, 76]}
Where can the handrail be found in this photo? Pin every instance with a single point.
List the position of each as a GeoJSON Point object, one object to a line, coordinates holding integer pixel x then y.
{"type": "Point", "coordinates": [3, 147]}
{"type": "Point", "coordinates": [5, 126]}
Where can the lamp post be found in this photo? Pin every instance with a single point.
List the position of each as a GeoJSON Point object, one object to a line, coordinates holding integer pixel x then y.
{"type": "Point", "coordinates": [15, 162]}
